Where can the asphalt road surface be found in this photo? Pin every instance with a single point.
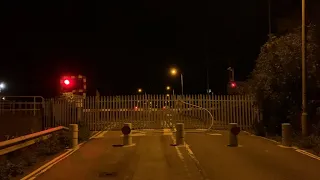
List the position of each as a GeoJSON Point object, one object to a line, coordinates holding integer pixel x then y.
{"type": "Point", "coordinates": [206, 156]}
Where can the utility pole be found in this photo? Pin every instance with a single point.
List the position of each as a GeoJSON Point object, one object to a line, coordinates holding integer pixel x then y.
{"type": "Point", "coordinates": [208, 87]}
{"type": "Point", "coordinates": [269, 17]}
{"type": "Point", "coordinates": [304, 115]}
{"type": "Point", "coordinates": [232, 73]}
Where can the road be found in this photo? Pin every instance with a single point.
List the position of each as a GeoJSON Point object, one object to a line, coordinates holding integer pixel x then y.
{"type": "Point", "coordinates": [206, 156]}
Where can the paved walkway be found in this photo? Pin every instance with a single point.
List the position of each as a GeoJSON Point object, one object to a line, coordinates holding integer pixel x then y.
{"type": "Point", "coordinates": [206, 156]}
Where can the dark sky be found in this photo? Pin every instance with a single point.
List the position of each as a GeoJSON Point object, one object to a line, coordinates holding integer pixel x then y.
{"type": "Point", "coordinates": [124, 45]}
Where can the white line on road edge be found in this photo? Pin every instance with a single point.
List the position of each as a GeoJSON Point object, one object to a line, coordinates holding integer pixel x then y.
{"type": "Point", "coordinates": [48, 165]}
{"type": "Point", "coordinates": [262, 137]}
{"type": "Point", "coordinates": [51, 163]}
{"type": "Point", "coordinates": [308, 154]}
{"type": "Point", "coordinates": [286, 147]}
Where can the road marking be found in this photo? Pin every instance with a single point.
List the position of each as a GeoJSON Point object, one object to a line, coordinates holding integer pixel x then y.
{"type": "Point", "coordinates": [286, 147]}
{"type": "Point", "coordinates": [181, 157]}
{"type": "Point", "coordinates": [301, 151]}
{"type": "Point", "coordinates": [308, 154]}
{"type": "Point", "coordinates": [100, 135]}
{"type": "Point", "coordinates": [51, 163]}
{"type": "Point", "coordinates": [178, 150]}
{"type": "Point", "coordinates": [250, 134]}
{"type": "Point", "coordinates": [135, 134]}
{"type": "Point", "coordinates": [215, 134]}
{"type": "Point", "coordinates": [167, 132]}
{"type": "Point", "coordinates": [196, 161]}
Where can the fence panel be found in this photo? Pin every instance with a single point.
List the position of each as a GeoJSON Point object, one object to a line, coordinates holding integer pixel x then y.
{"type": "Point", "coordinates": [153, 111]}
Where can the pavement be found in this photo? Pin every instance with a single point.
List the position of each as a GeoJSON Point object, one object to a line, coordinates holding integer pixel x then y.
{"type": "Point", "coordinates": [205, 156]}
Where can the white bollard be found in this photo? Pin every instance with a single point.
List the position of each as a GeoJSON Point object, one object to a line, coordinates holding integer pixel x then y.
{"type": "Point", "coordinates": [180, 134]}
{"type": "Point", "coordinates": [233, 138]}
{"type": "Point", "coordinates": [286, 134]}
{"type": "Point", "coordinates": [126, 130]}
{"type": "Point", "coordinates": [74, 134]}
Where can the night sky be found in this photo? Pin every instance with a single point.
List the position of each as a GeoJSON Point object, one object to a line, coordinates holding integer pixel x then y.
{"type": "Point", "coordinates": [124, 45]}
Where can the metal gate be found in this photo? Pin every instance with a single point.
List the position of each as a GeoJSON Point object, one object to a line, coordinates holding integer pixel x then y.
{"type": "Point", "coordinates": [152, 111]}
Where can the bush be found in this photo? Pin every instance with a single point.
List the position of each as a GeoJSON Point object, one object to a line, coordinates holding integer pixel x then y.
{"type": "Point", "coordinates": [13, 164]}
{"type": "Point", "coordinates": [259, 129]}
{"type": "Point", "coordinates": [276, 79]}
{"type": "Point", "coordinates": [310, 142]}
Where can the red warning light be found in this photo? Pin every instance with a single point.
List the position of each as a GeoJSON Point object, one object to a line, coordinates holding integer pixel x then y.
{"type": "Point", "coordinates": [66, 82]}
{"type": "Point", "coordinates": [233, 84]}
{"type": "Point", "coordinates": [74, 84]}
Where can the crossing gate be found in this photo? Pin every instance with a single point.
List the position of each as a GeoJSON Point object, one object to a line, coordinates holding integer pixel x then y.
{"type": "Point", "coordinates": [153, 111]}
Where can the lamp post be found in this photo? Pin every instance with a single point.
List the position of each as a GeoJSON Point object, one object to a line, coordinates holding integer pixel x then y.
{"type": "Point", "coordinates": [169, 88]}
{"type": "Point", "coordinates": [304, 115]}
{"type": "Point", "coordinates": [231, 78]}
{"type": "Point", "coordinates": [2, 86]}
{"type": "Point", "coordinates": [174, 72]}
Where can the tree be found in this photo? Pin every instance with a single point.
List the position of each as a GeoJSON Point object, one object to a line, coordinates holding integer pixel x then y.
{"type": "Point", "coordinates": [276, 79]}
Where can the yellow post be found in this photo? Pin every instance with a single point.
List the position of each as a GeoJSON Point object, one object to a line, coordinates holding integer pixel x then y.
{"type": "Point", "coordinates": [74, 131]}
{"type": "Point", "coordinates": [180, 134]}
{"type": "Point", "coordinates": [286, 134]}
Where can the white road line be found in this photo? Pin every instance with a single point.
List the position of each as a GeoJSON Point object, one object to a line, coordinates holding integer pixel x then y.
{"type": "Point", "coordinates": [214, 134]}
{"type": "Point", "coordinates": [48, 165]}
{"type": "Point", "coordinates": [196, 161]}
{"type": "Point", "coordinates": [100, 135]}
{"type": "Point", "coordinates": [180, 155]}
{"type": "Point", "coordinates": [308, 154]}
{"type": "Point", "coordinates": [192, 156]}
{"type": "Point", "coordinates": [56, 160]}
{"type": "Point", "coordinates": [286, 147]}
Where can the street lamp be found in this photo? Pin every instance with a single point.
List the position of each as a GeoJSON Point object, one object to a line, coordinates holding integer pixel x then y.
{"type": "Point", "coordinates": [140, 91]}
{"type": "Point", "coordinates": [2, 86]}
{"type": "Point", "coordinates": [169, 88]}
{"type": "Point", "coordinates": [231, 78]}
{"type": "Point", "coordinates": [304, 115]}
{"type": "Point", "coordinates": [174, 72]}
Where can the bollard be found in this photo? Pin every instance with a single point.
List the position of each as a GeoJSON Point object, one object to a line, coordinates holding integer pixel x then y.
{"type": "Point", "coordinates": [180, 134]}
{"type": "Point", "coordinates": [286, 134]}
{"type": "Point", "coordinates": [73, 128]}
{"type": "Point", "coordinates": [233, 138]}
{"type": "Point", "coordinates": [127, 138]}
